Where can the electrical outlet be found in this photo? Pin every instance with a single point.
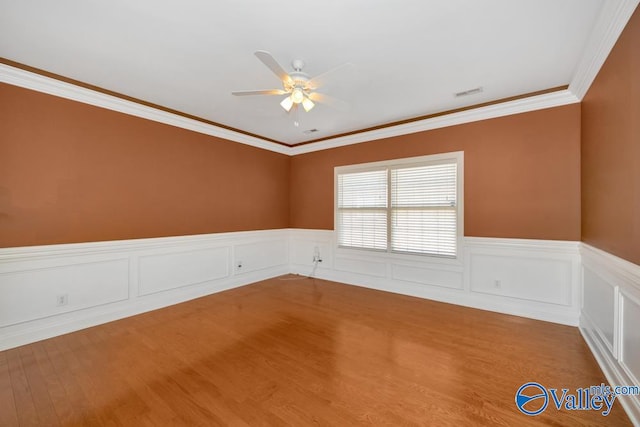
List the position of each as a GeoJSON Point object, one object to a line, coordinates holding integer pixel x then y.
{"type": "Point", "coordinates": [498, 284]}
{"type": "Point", "coordinates": [62, 299]}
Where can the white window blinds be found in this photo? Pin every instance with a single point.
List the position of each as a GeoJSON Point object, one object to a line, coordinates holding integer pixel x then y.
{"type": "Point", "coordinates": [423, 210]}
{"type": "Point", "coordinates": [362, 210]}
{"type": "Point", "coordinates": [406, 208]}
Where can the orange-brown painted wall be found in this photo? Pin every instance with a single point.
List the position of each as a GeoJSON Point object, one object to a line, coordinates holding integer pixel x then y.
{"type": "Point", "coordinates": [70, 172]}
{"type": "Point", "coordinates": [611, 150]}
{"type": "Point", "coordinates": [522, 174]}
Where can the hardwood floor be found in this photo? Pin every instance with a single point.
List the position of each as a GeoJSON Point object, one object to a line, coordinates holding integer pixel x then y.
{"type": "Point", "coordinates": [298, 351]}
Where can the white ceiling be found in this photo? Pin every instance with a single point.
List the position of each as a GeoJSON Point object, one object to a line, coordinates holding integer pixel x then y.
{"type": "Point", "coordinates": [409, 57]}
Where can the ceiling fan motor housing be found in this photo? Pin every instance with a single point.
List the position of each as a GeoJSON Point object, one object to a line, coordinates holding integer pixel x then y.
{"type": "Point", "coordinates": [298, 79]}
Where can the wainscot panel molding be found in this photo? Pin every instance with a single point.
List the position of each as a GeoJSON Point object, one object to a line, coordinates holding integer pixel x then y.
{"type": "Point", "coordinates": [52, 290]}
{"type": "Point", "coordinates": [539, 279]}
{"type": "Point", "coordinates": [610, 319]}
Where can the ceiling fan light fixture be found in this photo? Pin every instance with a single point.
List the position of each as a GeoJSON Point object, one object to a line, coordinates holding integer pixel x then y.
{"type": "Point", "coordinates": [307, 104]}
{"type": "Point", "coordinates": [296, 85]}
{"type": "Point", "coordinates": [287, 103]}
{"type": "Point", "coordinates": [297, 96]}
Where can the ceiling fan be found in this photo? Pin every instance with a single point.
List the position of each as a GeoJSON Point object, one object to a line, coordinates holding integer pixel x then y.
{"type": "Point", "coordinates": [299, 87]}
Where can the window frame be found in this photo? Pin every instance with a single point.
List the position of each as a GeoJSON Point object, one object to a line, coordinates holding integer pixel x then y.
{"type": "Point", "coordinates": [428, 160]}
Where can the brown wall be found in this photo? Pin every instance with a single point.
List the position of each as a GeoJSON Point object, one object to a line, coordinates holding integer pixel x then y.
{"type": "Point", "coordinates": [611, 151]}
{"type": "Point", "coordinates": [522, 174]}
{"type": "Point", "coordinates": [70, 172]}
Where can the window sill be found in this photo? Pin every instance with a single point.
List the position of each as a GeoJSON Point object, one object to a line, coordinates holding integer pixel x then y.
{"type": "Point", "coordinates": [411, 259]}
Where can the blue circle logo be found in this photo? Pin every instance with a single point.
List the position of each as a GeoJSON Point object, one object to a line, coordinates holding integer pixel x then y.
{"type": "Point", "coordinates": [532, 398]}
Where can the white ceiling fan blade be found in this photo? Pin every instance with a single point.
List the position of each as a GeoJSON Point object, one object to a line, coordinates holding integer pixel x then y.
{"type": "Point", "coordinates": [259, 92]}
{"type": "Point", "coordinates": [273, 65]}
{"type": "Point", "coordinates": [333, 74]}
{"type": "Point", "coordinates": [336, 103]}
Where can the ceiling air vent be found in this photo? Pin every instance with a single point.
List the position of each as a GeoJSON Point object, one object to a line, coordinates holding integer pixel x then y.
{"type": "Point", "coordinates": [469, 92]}
{"type": "Point", "coordinates": [310, 131]}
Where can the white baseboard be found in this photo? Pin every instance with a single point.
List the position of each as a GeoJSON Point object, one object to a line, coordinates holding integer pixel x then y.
{"type": "Point", "coordinates": [538, 279]}
{"type": "Point", "coordinates": [106, 281]}
{"type": "Point", "coordinates": [609, 319]}
{"type": "Point", "coordinates": [557, 281]}
{"type": "Point", "coordinates": [608, 364]}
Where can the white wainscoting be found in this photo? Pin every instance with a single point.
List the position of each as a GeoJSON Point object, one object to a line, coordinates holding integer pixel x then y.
{"type": "Point", "coordinates": [547, 280]}
{"type": "Point", "coordinates": [105, 281]}
{"type": "Point", "coordinates": [539, 279]}
{"type": "Point", "coordinates": [610, 319]}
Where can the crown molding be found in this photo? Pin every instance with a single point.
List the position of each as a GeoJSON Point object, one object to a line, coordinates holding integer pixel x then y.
{"type": "Point", "coordinates": [523, 105]}
{"type": "Point", "coordinates": [613, 18]}
{"type": "Point", "coordinates": [26, 79]}
{"type": "Point", "coordinates": [29, 80]}
{"type": "Point", "coordinates": [609, 25]}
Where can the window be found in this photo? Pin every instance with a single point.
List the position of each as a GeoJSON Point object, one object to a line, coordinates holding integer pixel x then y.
{"type": "Point", "coordinates": [407, 206]}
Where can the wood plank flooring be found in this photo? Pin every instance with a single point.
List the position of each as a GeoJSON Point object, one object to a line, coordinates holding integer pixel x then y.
{"type": "Point", "coordinates": [297, 351]}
